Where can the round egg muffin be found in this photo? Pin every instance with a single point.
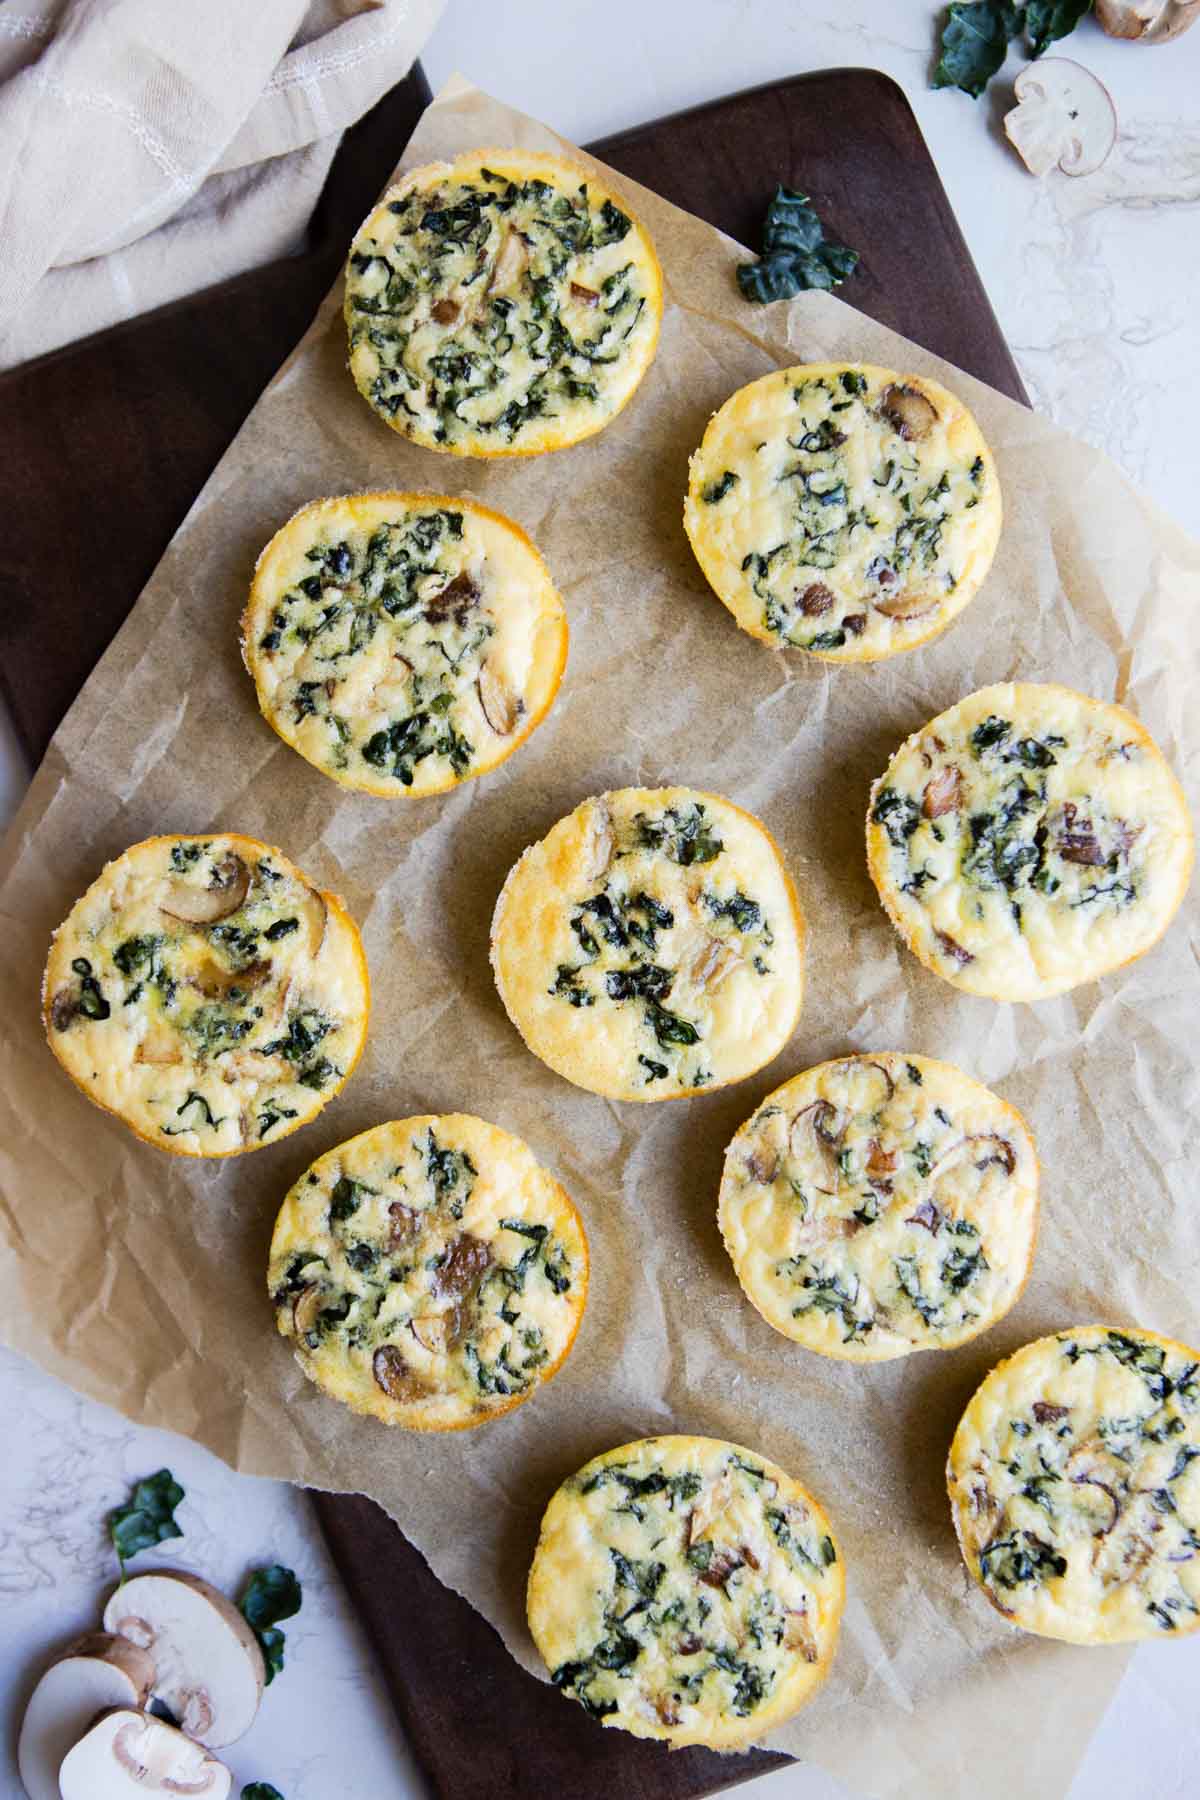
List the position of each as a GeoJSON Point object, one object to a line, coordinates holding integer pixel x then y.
{"type": "Point", "coordinates": [1028, 840]}
{"type": "Point", "coordinates": [843, 509]}
{"type": "Point", "coordinates": [429, 1272]}
{"type": "Point", "coordinates": [403, 643]}
{"type": "Point", "coordinates": [501, 305]}
{"type": "Point", "coordinates": [205, 992]}
{"type": "Point", "coordinates": [881, 1204]}
{"type": "Point", "coordinates": [686, 1589]}
{"type": "Point", "coordinates": [1074, 1482]}
{"type": "Point", "coordinates": [651, 945]}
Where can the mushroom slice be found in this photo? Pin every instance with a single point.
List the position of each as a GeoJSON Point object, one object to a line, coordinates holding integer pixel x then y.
{"type": "Point", "coordinates": [798, 1634]}
{"type": "Point", "coordinates": [209, 1669]}
{"type": "Point", "coordinates": [907, 410]}
{"type": "Point", "coordinates": [598, 843]}
{"type": "Point", "coordinates": [709, 1507]}
{"type": "Point", "coordinates": [1063, 116]}
{"type": "Point", "coordinates": [943, 793]}
{"type": "Point", "coordinates": [907, 605]}
{"type": "Point", "coordinates": [94, 1674]}
{"type": "Point", "coordinates": [160, 1046]}
{"type": "Point", "coordinates": [1146, 21]}
{"type": "Point", "coordinates": [817, 1131]}
{"type": "Point", "coordinates": [445, 311]}
{"type": "Point", "coordinates": [714, 961]}
{"type": "Point", "coordinates": [501, 706]}
{"type": "Point", "coordinates": [1091, 1466]}
{"type": "Point", "coordinates": [394, 1377]}
{"type": "Point", "coordinates": [586, 296]}
{"type": "Point", "coordinates": [870, 1086]}
{"type": "Point", "coordinates": [512, 260]}
{"type": "Point", "coordinates": [306, 1308]}
{"type": "Point", "coordinates": [129, 1752]}
{"type": "Point", "coordinates": [315, 920]}
{"type": "Point", "coordinates": [227, 888]}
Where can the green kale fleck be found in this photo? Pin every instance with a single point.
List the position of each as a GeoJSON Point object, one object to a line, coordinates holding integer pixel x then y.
{"type": "Point", "coordinates": [717, 490]}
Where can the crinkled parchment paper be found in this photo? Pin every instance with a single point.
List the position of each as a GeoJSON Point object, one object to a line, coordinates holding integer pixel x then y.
{"type": "Point", "coordinates": [139, 1278]}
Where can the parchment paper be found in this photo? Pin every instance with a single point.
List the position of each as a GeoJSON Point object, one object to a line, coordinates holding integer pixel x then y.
{"type": "Point", "coordinates": [139, 1278]}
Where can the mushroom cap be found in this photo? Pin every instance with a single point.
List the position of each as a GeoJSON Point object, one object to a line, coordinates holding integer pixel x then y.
{"type": "Point", "coordinates": [1146, 21]}
{"type": "Point", "coordinates": [97, 1672]}
{"type": "Point", "coordinates": [209, 1668]}
{"type": "Point", "coordinates": [1063, 116]}
{"type": "Point", "coordinates": [129, 1752]}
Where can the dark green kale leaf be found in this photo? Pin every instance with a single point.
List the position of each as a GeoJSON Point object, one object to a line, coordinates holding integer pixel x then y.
{"type": "Point", "coordinates": [1048, 20]}
{"type": "Point", "coordinates": [717, 490]}
{"type": "Point", "coordinates": [272, 1593]}
{"type": "Point", "coordinates": [148, 1516]}
{"type": "Point", "coordinates": [975, 41]}
{"type": "Point", "coordinates": [261, 1790]}
{"type": "Point", "coordinates": [796, 253]}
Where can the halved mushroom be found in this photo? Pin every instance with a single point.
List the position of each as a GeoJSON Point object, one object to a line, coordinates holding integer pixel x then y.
{"type": "Point", "coordinates": [445, 311]}
{"type": "Point", "coordinates": [907, 410]}
{"type": "Point", "coordinates": [209, 1671]}
{"type": "Point", "coordinates": [129, 1752]}
{"type": "Point", "coordinates": [393, 1375]}
{"type": "Point", "coordinates": [456, 600]}
{"type": "Point", "coordinates": [586, 296]}
{"type": "Point", "coordinates": [1146, 21]}
{"type": "Point", "coordinates": [512, 260]}
{"type": "Point", "coordinates": [1063, 116]}
{"type": "Point", "coordinates": [95, 1673]}
{"type": "Point", "coordinates": [944, 793]}
{"type": "Point", "coordinates": [952, 949]}
{"type": "Point", "coordinates": [501, 706]}
{"type": "Point", "coordinates": [227, 888]}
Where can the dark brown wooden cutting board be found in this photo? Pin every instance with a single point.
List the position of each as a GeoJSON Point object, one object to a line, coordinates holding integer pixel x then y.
{"type": "Point", "coordinates": [103, 448]}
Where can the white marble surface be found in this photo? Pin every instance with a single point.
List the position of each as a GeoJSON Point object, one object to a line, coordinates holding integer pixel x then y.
{"type": "Point", "coordinates": [1094, 283]}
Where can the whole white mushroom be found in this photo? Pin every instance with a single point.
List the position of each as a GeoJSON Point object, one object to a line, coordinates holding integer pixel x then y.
{"type": "Point", "coordinates": [1064, 117]}
{"type": "Point", "coordinates": [1147, 21]}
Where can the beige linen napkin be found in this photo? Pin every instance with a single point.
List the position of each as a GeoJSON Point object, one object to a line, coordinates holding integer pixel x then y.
{"type": "Point", "coordinates": [152, 147]}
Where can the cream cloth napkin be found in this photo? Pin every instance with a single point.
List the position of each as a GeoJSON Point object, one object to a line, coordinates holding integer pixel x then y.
{"type": "Point", "coordinates": [151, 147]}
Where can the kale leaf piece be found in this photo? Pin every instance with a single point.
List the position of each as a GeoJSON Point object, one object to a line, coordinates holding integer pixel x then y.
{"type": "Point", "coordinates": [975, 41]}
{"type": "Point", "coordinates": [796, 253]}
{"type": "Point", "coordinates": [271, 1594]}
{"type": "Point", "coordinates": [147, 1517]}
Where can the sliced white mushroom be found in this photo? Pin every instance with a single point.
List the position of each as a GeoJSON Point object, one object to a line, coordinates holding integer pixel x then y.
{"type": "Point", "coordinates": [1063, 116]}
{"type": "Point", "coordinates": [501, 706]}
{"type": "Point", "coordinates": [130, 1752]}
{"type": "Point", "coordinates": [227, 889]}
{"type": "Point", "coordinates": [1147, 21]}
{"type": "Point", "coordinates": [209, 1668]}
{"type": "Point", "coordinates": [95, 1674]}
